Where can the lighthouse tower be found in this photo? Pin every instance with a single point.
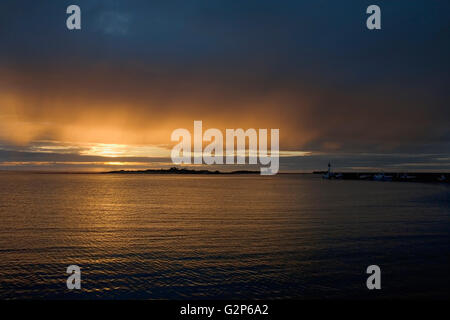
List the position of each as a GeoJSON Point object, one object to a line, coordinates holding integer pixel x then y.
{"type": "Point", "coordinates": [328, 175]}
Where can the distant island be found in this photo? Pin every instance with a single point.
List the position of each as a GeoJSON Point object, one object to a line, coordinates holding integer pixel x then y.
{"type": "Point", "coordinates": [175, 170]}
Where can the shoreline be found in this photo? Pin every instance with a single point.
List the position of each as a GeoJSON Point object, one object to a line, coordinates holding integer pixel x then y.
{"type": "Point", "coordinates": [441, 177]}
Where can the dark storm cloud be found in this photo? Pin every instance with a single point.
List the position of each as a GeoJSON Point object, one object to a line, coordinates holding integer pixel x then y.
{"type": "Point", "coordinates": [310, 68]}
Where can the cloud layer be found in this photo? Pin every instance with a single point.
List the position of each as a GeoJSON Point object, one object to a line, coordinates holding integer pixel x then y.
{"type": "Point", "coordinates": [137, 71]}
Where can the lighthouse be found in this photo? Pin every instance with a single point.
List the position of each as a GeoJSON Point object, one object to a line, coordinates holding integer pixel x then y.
{"type": "Point", "coordinates": [328, 175]}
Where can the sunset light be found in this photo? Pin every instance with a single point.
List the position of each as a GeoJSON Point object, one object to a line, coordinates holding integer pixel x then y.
{"type": "Point", "coordinates": [223, 159]}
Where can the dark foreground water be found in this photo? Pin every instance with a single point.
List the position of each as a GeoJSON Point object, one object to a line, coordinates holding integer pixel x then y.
{"type": "Point", "coordinates": [288, 236]}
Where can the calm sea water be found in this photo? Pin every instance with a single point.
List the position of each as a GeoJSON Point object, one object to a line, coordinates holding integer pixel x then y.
{"type": "Point", "coordinates": [159, 237]}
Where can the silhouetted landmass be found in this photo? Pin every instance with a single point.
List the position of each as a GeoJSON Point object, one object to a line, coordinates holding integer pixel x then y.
{"type": "Point", "coordinates": [390, 176]}
{"type": "Point", "coordinates": [180, 171]}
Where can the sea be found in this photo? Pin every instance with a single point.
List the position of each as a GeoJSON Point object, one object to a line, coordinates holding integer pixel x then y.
{"type": "Point", "coordinates": [289, 236]}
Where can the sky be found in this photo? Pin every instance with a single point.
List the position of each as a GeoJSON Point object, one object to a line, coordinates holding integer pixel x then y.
{"type": "Point", "coordinates": [110, 95]}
